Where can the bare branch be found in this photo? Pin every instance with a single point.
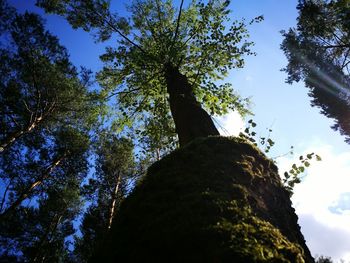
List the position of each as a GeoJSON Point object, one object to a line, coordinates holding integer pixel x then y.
{"type": "Point", "coordinates": [337, 46]}
{"type": "Point", "coordinates": [112, 26]}
{"type": "Point", "coordinates": [178, 22]}
{"type": "Point", "coordinates": [345, 59]}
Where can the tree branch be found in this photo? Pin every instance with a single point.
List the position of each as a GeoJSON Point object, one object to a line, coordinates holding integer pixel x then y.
{"type": "Point", "coordinates": [111, 25]}
{"type": "Point", "coordinates": [337, 46]}
{"type": "Point", "coordinates": [121, 92]}
{"type": "Point", "coordinates": [178, 22]}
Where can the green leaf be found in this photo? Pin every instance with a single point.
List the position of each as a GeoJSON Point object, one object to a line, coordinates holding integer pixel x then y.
{"type": "Point", "coordinates": [309, 156]}
{"type": "Point", "coordinates": [271, 142]}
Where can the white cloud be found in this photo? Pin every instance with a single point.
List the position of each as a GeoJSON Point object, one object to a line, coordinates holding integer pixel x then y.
{"type": "Point", "coordinates": [325, 240]}
{"type": "Point", "coordinates": [230, 124]}
{"type": "Point", "coordinates": [321, 201]}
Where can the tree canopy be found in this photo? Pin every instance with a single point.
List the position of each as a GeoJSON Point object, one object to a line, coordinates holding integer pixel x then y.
{"type": "Point", "coordinates": [199, 40]}
{"type": "Point", "coordinates": [318, 53]}
{"type": "Point", "coordinates": [39, 86]}
{"type": "Point", "coordinates": [47, 112]}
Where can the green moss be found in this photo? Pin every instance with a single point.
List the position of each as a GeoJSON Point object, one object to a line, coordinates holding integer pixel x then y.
{"type": "Point", "coordinates": [201, 204]}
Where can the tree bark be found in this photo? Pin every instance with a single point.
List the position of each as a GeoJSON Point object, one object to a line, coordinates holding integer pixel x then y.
{"type": "Point", "coordinates": [27, 192]}
{"type": "Point", "coordinates": [114, 201]}
{"type": "Point", "coordinates": [191, 120]}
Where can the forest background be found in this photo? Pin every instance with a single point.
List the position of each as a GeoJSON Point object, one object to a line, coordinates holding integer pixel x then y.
{"type": "Point", "coordinates": [322, 199]}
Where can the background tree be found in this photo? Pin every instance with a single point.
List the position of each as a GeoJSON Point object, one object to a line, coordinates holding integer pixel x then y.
{"type": "Point", "coordinates": [38, 84]}
{"type": "Point", "coordinates": [47, 114]}
{"type": "Point", "coordinates": [33, 172]}
{"type": "Point", "coordinates": [38, 234]}
{"type": "Point", "coordinates": [46, 109]}
{"type": "Point", "coordinates": [323, 259]}
{"type": "Point", "coordinates": [166, 58]}
{"type": "Point", "coordinates": [114, 176]}
{"type": "Point", "coordinates": [318, 53]}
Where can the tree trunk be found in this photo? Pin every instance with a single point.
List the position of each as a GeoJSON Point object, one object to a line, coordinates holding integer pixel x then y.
{"type": "Point", "coordinates": [27, 192]}
{"type": "Point", "coordinates": [191, 120]}
{"type": "Point", "coordinates": [16, 135]}
{"type": "Point", "coordinates": [114, 201]}
{"type": "Point", "coordinates": [38, 256]}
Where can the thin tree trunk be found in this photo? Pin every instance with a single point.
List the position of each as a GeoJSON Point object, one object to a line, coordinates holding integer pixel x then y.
{"type": "Point", "coordinates": [38, 182]}
{"type": "Point", "coordinates": [158, 154]}
{"type": "Point", "coordinates": [114, 201]}
{"type": "Point", "coordinates": [44, 238]}
{"type": "Point", "coordinates": [191, 120]}
{"type": "Point", "coordinates": [18, 134]}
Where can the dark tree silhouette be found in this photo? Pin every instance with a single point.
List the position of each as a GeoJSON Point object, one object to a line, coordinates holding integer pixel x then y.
{"type": "Point", "coordinates": [318, 53]}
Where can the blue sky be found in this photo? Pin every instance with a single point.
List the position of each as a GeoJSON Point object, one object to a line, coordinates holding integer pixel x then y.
{"type": "Point", "coordinates": [322, 199]}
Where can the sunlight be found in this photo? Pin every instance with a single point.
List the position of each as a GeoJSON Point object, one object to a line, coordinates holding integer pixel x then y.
{"type": "Point", "coordinates": [328, 82]}
{"type": "Point", "coordinates": [230, 124]}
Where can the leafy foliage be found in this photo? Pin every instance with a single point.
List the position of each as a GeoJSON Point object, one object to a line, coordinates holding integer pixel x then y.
{"type": "Point", "coordinates": [38, 234]}
{"type": "Point", "coordinates": [199, 40]}
{"type": "Point", "coordinates": [266, 143]}
{"type": "Point", "coordinates": [323, 259]}
{"type": "Point", "coordinates": [294, 175]}
{"type": "Point", "coordinates": [46, 114]}
{"type": "Point", "coordinates": [115, 164]}
{"type": "Point", "coordinates": [46, 108]}
{"type": "Point", "coordinates": [318, 53]}
{"type": "Point", "coordinates": [39, 86]}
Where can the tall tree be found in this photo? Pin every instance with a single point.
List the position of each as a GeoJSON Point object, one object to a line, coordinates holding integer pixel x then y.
{"type": "Point", "coordinates": [38, 84]}
{"type": "Point", "coordinates": [318, 52]}
{"type": "Point", "coordinates": [166, 58]}
{"type": "Point", "coordinates": [115, 172]}
{"type": "Point", "coordinates": [64, 155]}
{"type": "Point", "coordinates": [46, 110]}
{"type": "Point", "coordinates": [115, 165]}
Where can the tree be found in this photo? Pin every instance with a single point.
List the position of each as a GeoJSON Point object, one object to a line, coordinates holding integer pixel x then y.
{"type": "Point", "coordinates": [38, 234]}
{"type": "Point", "coordinates": [93, 232]}
{"type": "Point", "coordinates": [38, 85]}
{"type": "Point", "coordinates": [166, 58]}
{"type": "Point", "coordinates": [64, 156]}
{"type": "Point", "coordinates": [115, 166]}
{"type": "Point", "coordinates": [323, 259]}
{"type": "Point", "coordinates": [115, 169]}
{"type": "Point", "coordinates": [318, 53]}
{"type": "Point", "coordinates": [46, 110]}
